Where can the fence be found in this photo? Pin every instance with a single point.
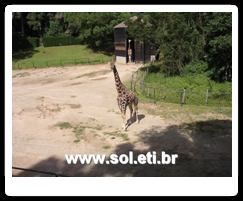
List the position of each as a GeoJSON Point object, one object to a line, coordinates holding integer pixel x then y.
{"type": "Point", "coordinates": [60, 62]}
{"type": "Point", "coordinates": [180, 96]}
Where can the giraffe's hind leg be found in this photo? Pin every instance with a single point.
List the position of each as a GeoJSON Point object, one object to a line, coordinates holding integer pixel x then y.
{"type": "Point", "coordinates": [136, 108]}
{"type": "Point", "coordinates": [131, 113]}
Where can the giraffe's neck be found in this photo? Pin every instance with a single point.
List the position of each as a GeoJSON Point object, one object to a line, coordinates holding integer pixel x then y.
{"type": "Point", "coordinates": [119, 85]}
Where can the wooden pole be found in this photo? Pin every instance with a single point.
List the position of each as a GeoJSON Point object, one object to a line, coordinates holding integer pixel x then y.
{"type": "Point", "coordinates": [131, 81]}
{"type": "Point", "coordinates": [143, 86]}
{"type": "Point", "coordinates": [154, 96]}
{"type": "Point", "coordinates": [206, 98]}
{"type": "Point", "coordinates": [183, 97]}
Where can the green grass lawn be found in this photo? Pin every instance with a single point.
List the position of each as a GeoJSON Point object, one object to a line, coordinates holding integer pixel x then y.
{"type": "Point", "coordinates": [186, 113]}
{"type": "Point", "coordinates": [159, 88]}
{"type": "Point", "coordinates": [58, 56]}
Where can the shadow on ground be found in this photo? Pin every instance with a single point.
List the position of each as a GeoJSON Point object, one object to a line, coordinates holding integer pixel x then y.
{"type": "Point", "coordinates": [23, 55]}
{"type": "Point", "coordinates": [204, 150]}
{"type": "Point", "coordinates": [134, 119]}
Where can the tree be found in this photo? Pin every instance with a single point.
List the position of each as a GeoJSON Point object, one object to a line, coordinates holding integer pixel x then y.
{"type": "Point", "coordinates": [180, 36]}
{"type": "Point", "coordinates": [184, 39]}
{"type": "Point", "coordinates": [219, 46]}
{"type": "Point", "coordinates": [37, 22]}
{"type": "Point", "coordinates": [139, 27]}
{"type": "Point", "coordinates": [94, 29]}
{"type": "Point", "coordinates": [56, 24]}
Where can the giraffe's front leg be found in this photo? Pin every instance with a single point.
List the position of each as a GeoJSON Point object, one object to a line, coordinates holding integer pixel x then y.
{"type": "Point", "coordinates": [125, 125]}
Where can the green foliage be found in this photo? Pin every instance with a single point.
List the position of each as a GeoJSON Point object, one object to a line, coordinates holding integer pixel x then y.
{"type": "Point", "coordinates": [34, 41]}
{"type": "Point", "coordinates": [188, 37]}
{"type": "Point", "coordinates": [195, 67]}
{"type": "Point", "coordinates": [49, 41]}
{"type": "Point", "coordinates": [21, 42]}
{"type": "Point", "coordinates": [95, 29]}
{"type": "Point", "coordinates": [169, 89]}
{"type": "Point", "coordinates": [180, 38]}
{"type": "Point", "coordinates": [219, 47]}
{"type": "Point", "coordinates": [37, 22]}
{"type": "Point", "coordinates": [140, 28]}
{"type": "Point", "coordinates": [183, 38]}
{"type": "Point", "coordinates": [55, 29]}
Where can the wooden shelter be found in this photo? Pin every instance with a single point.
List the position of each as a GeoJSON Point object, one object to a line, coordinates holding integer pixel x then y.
{"type": "Point", "coordinates": [129, 50]}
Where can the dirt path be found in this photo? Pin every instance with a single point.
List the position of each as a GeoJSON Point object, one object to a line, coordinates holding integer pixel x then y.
{"type": "Point", "coordinates": [78, 95]}
{"type": "Point", "coordinates": [59, 111]}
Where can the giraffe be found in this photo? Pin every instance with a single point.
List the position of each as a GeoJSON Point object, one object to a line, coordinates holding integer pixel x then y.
{"type": "Point", "coordinates": [125, 97]}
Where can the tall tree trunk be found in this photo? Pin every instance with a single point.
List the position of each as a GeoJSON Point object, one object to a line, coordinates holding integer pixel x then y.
{"type": "Point", "coordinates": [22, 24]}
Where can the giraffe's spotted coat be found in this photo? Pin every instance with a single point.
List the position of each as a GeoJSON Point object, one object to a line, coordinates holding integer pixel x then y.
{"type": "Point", "coordinates": [125, 97]}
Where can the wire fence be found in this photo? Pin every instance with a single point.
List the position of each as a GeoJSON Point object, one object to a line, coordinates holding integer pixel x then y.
{"type": "Point", "coordinates": [180, 96]}
{"type": "Point", "coordinates": [59, 62]}
{"type": "Point", "coordinates": [34, 171]}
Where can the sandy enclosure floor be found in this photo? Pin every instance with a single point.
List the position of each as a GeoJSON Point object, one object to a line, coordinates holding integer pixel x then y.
{"type": "Point", "coordinates": [58, 111]}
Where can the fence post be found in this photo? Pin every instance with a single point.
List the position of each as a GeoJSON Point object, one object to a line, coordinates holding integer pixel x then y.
{"type": "Point", "coordinates": [183, 96]}
{"type": "Point", "coordinates": [154, 96]}
{"type": "Point", "coordinates": [206, 98]}
{"type": "Point", "coordinates": [134, 86]}
{"type": "Point", "coordinates": [143, 87]}
{"type": "Point", "coordinates": [131, 81]}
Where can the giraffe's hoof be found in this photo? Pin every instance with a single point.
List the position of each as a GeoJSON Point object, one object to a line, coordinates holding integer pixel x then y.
{"type": "Point", "coordinates": [124, 127]}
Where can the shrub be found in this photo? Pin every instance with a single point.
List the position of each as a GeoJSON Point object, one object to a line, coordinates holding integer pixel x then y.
{"type": "Point", "coordinates": [34, 41]}
{"type": "Point", "coordinates": [49, 41]}
{"type": "Point", "coordinates": [24, 43]}
{"type": "Point", "coordinates": [195, 67]}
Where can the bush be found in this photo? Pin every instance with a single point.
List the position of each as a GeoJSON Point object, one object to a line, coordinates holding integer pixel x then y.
{"type": "Point", "coordinates": [49, 41]}
{"type": "Point", "coordinates": [34, 41]}
{"type": "Point", "coordinates": [195, 67]}
{"type": "Point", "coordinates": [24, 43]}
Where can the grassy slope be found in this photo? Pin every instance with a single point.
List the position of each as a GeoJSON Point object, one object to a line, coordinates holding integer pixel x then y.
{"type": "Point", "coordinates": [185, 113]}
{"type": "Point", "coordinates": [59, 55]}
{"type": "Point", "coordinates": [168, 89]}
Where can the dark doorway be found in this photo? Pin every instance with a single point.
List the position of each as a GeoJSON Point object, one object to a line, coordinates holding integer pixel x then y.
{"type": "Point", "coordinates": [130, 50]}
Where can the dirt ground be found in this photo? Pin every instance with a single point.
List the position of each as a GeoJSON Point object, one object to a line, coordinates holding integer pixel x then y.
{"type": "Point", "coordinates": [73, 110]}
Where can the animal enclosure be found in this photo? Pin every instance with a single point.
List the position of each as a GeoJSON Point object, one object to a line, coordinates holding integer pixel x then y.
{"type": "Point", "coordinates": [129, 50]}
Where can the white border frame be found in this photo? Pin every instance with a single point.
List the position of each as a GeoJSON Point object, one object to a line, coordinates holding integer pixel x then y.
{"type": "Point", "coordinates": [172, 186]}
